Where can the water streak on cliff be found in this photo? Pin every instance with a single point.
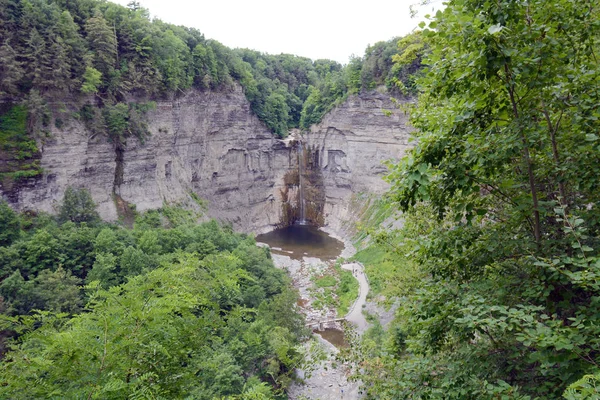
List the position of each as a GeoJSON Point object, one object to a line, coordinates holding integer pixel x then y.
{"type": "Point", "coordinates": [302, 217]}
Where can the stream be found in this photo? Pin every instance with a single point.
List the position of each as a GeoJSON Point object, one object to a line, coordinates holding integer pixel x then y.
{"type": "Point", "coordinates": [305, 252]}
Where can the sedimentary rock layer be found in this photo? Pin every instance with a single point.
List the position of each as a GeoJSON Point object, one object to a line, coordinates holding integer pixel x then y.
{"type": "Point", "coordinates": [210, 144]}
{"type": "Point", "coordinates": [353, 141]}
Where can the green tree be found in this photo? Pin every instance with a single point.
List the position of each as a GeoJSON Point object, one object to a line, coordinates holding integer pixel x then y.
{"type": "Point", "coordinates": [40, 252]}
{"type": "Point", "coordinates": [276, 113]}
{"type": "Point", "coordinates": [10, 69]}
{"type": "Point", "coordinates": [107, 242]}
{"type": "Point", "coordinates": [506, 150]}
{"type": "Point", "coordinates": [40, 64]}
{"type": "Point", "coordinates": [92, 79]}
{"type": "Point", "coordinates": [60, 65]}
{"type": "Point", "coordinates": [10, 224]}
{"type": "Point", "coordinates": [17, 294]}
{"type": "Point", "coordinates": [172, 56]}
{"type": "Point", "coordinates": [133, 338]}
{"type": "Point", "coordinates": [78, 206]}
{"type": "Point", "coordinates": [57, 291]}
{"type": "Point", "coordinates": [104, 270]}
{"type": "Point", "coordinates": [75, 46]}
{"type": "Point", "coordinates": [103, 42]}
{"type": "Point", "coordinates": [133, 261]}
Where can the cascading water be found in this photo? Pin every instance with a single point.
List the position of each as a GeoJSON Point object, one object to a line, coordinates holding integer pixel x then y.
{"type": "Point", "coordinates": [302, 220]}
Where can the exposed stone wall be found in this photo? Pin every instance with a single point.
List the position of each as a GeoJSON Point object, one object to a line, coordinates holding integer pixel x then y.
{"type": "Point", "coordinates": [206, 142]}
{"type": "Point", "coordinates": [352, 143]}
{"type": "Point", "coordinates": [210, 143]}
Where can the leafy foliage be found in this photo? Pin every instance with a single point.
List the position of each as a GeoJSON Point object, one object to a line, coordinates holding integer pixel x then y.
{"type": "Point", "coordinates": [501, 209]}
{"type": "Point", "coordinates": [188, 310]}
{"type": "Point", "coordinates": [101, 48]}
{"type": "Point", "coordinates": [78, 207]}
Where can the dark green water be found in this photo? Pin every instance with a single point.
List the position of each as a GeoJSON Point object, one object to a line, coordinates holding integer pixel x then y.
{"type": "Point", "coordinates": [334, 336]}
{"type": "Point", "coordinates": [299, 241]}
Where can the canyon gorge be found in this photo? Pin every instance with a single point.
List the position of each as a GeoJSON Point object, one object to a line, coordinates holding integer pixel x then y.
{"type": "Point", "coordinates": [209, 145]}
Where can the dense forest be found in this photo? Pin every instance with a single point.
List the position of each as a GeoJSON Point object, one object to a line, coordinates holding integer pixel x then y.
{"type": "Point", "coordinates": [495, 272]}
{"type": "Point", "coordinates": [168, 309]}
{"type": "Point", "coordinates": [115, 57]}
{"type": "Point", "coordinates": [497, 267]}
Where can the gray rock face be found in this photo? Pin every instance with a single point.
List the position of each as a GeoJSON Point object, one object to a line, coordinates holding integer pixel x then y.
{"type": "Point", "coordinates": [353, 142]}
{"type": "Point", "coordinates": [211, 144]}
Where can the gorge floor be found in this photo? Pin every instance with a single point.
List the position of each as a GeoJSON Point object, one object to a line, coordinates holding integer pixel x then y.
{"type": "Point", "coordinates": [326, 377]}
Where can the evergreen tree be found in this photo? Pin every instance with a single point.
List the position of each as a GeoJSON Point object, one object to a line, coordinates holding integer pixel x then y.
{"type": "Point", "coordinates": [11, 70]}
{"type": "Point", "coordinates": [78, 206]}
{"type": "Point", "coordinates": [59, 65]}
{"type": "Point", "coordinates": [74, 44]}
{"type": "Point", "coordinates": [103, 43]}
{"type": "Point", "coordinates": [39, 62]}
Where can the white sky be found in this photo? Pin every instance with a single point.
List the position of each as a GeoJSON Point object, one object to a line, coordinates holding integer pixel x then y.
{"type": "Point", "coordinates": [332, 29]}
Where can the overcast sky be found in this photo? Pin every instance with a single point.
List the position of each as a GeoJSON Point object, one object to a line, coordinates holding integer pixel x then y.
{"type": "Point", "coordinates": [333, 29]}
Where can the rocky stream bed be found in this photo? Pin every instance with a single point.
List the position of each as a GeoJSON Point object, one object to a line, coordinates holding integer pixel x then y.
{"type": "Point", "coordinates": [327, 378]}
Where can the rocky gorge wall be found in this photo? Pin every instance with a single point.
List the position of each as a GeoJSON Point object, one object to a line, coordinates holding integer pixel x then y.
{"type": "Point", "coordinates": [210, 144]}
{"type": "Point", "coordinates": [350, 145]}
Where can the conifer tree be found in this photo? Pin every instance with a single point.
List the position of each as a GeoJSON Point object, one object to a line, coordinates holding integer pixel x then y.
{"type": "Point", "coordinates": [38, 61]}
{"type": "Point", "coordinates": [11, 70]}
{"type": "Point", "coordinates": [59, 66]}
{"type": "Point", "coordinates": [74, 44]}
{"type": "Point", "coordinates": [103, 42]}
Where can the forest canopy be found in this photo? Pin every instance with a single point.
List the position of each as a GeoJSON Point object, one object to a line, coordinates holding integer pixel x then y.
{"type": "Point", "coordinates": [168, 309]}
{"type": "Point", "coordinates": [114, 53]}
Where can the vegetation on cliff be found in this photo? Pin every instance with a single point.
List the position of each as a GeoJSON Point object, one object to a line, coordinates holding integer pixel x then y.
{"type": "Point", "coordinates": [501, 199]}
{"type": "Point", "coordinates": [112, 54]}
{"type": "Point", "coordinates": [168, 309]}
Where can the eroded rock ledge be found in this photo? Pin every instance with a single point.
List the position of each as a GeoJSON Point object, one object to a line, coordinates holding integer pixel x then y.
{"type": "Point", "coordinates": [210, 144]}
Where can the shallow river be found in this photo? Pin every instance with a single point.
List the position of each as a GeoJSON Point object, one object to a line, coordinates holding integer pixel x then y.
{"type": "Point", "coordinates": [304, 251]}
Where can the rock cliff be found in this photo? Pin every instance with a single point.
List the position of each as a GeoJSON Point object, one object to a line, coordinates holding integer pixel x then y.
{"type": "Point", "coordinates": [351, 145]}
{"type": "Point", "coordinates": [210, 144]}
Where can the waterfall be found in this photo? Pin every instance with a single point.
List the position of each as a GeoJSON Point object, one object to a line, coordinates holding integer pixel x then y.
{"type": "Point", "coordinates": [302, 220]}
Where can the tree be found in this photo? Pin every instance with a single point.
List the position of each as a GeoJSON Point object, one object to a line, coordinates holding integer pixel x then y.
{"type": "Point", "coordinates": [57, 291]}
{"type": "Point", "coordinates": [163, 334]}
{"type": "Point", "coordinates": [17, 294]}
{"type": "Point", "coordinates": [39, 65]}
{"type": "Point", "coordinates": [506, 149]}
{"type": "Point", "coordinates": [107, 242]}
{"type": "Point", "coordinates": [172, 56]}
{"type": "Point", "coordinates": [276, 113]}
{"type": "Point", "coordinates": [75, 46]}
{"type": "Point", "coordinates": [92, 79]}
{"type": "Point", "coordinates": [103, 270]}
{"type": "Point", "coordinates": [103, 42]}
{"type": "Point", "coordinates": [40, 252]}
{"type": "Point", "coordinates": [133, 261]}
{"type": "Point", "coordinates": [59, 65]}
{"type": "Point", "coordinates": [11, 70]}
{"type": "Point", "coordinates": [78, 206]}
{"type": "Point", "coordinates": [10, 224]}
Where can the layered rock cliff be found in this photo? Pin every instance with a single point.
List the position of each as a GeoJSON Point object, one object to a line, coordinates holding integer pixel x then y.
{"type": "Point", "coordinates": [351, 145]}
{"type": "Point", "coordinates": [210, 144]}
